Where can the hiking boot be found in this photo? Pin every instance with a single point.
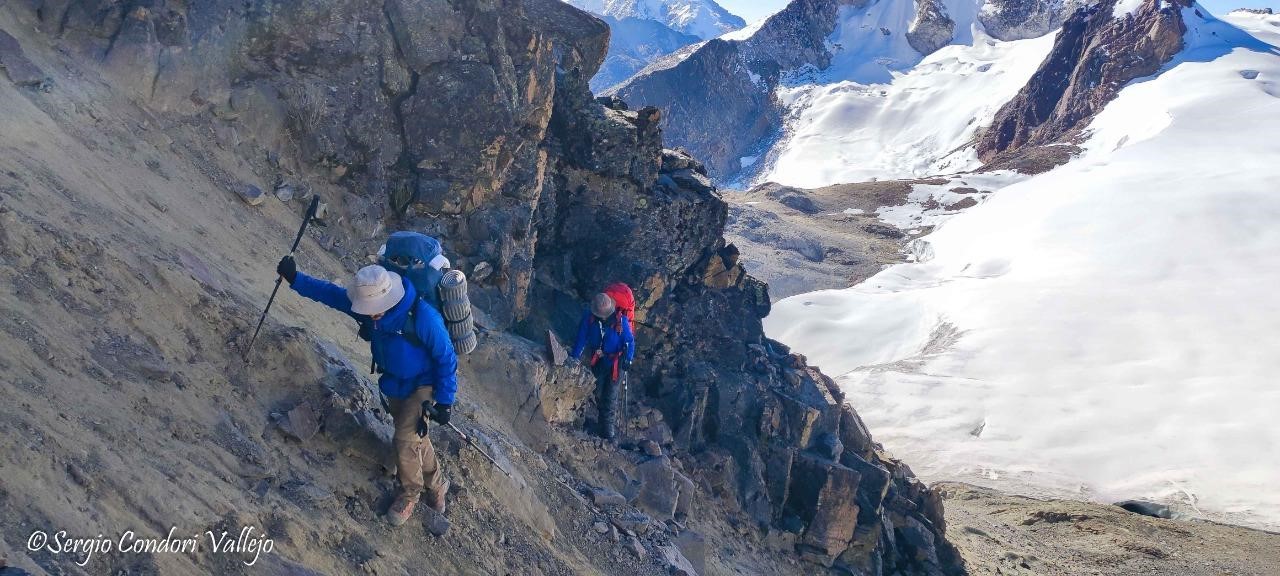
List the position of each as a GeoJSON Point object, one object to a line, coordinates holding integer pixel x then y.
{"type": "Point", "coordinates": [401, 510]}
{"type": "Point", "coordinates": [435, 500]}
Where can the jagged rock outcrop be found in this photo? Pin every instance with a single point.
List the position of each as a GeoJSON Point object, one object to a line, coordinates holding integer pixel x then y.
{"type": "Point", "coordinates": [1094, 56]}
{"type": "Point", "coordinates": [718, 99]}
{"type": "Point", "coordinates": [1020, 19]}
{"type": "Point", "coordinates": [17, 67]}
{"type": "Point", "coordinates": [932, 28]}
{"type": "Point", "coordinates": [474, 122]}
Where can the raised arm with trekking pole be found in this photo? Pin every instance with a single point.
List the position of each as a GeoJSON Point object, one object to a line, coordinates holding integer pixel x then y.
{"type": "Point", "coordinates": [415, 354]}
{"type": "Point", "coordinates": [306, 219]}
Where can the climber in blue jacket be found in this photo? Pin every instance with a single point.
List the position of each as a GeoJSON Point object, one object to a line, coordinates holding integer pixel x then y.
{"type": "Point", "coordinates": [606, 332]}
{"type": "Point", "coordinates": [418, 364]}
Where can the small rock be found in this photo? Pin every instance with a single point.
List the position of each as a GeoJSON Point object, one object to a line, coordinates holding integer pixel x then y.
{"type": "Point", "coordinates": [556, 350]}
{"type": "Point", "coordinates": [605, 497]}
{"type": "Point", "coordinates": [884, 231]}
{"type": "Point", "coordinates": [612, 102]}
{"type": "Point", "coordinates": [800, 203]}
{"type": "Point", "coordinates": [676, 563]}
{"type": "Point", "coordinates": [302, 422]}
{"type": "Point", "coordinates": [1147, 508]}
{"type": "Point", "coordinates": [692, 180]}
{"type": "Point", "coordinates": [635, 547]}
{"type": "Point", "coordinates": [1249, 74]}
{"type": "Point", "coordinates": [16, 65]}
{"type": "Point", "coordinates": [339, 171]}
{"type": "Point", "coordinates": [78, 475]}
{"type": "Point", "coordinates": [481, 271]}
{"type": "Point", "coordinates": [637, 522]}
{"type": "Point", "coordinates": [651, 448]}
{"type": "Point", "coordinates": [252, 195]}
{"type": "Point", "coordinates": [285, 192]}
{"type": "Point", "coordinates": [600, 528]}
{"type": "Point", "coordinates": [435, 523]}
{"type": "Point", "coordinates": [322, 210]}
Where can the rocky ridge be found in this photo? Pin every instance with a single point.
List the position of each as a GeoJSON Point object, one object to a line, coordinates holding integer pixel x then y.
{"type": "Point", "coordinates": [542, 194]}
{"type": "Point", "coordinates": [1094, 56]}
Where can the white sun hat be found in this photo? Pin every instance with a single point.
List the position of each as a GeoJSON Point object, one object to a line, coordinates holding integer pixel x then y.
{"type": "Point", "coordinates": [374, 290]}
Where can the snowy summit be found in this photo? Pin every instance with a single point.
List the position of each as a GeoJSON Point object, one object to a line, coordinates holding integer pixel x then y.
{"type": "Point", "coordinates": [702, 18]}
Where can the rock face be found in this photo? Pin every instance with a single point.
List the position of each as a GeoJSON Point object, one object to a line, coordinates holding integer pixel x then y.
{"type": "Point", "coordinates": [718, 99]}
{"type": "Point", "coordinates": [1093, 57]}
{"type": "Point", "coordinates": [17, 67]}
{"type": "Point", "coordinates": [932, 28]}
{"type": "Point", "coordinates": [1020, 19]}
{"type": "Point", "coordinates": [473, 122]}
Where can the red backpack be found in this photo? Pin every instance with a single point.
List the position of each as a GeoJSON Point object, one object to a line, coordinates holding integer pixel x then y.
{"type": "Point", "coordinates": [625, 301]}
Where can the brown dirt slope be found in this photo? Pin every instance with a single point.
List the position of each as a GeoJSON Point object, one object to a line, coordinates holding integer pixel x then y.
{"type": "Point", "coordinates": [1014, 535]}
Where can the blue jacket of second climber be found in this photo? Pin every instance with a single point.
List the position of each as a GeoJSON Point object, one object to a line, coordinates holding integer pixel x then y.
{"type": "Point", "coordinates": [595, 334]}
{"type": "Point", "coordinates": [406, 365]}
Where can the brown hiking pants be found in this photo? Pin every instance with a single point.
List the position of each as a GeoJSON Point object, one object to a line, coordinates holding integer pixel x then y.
{"type": "Point", "coordinates": [415, 457]}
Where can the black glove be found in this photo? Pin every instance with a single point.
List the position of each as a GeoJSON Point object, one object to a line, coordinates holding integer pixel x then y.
{"type": "Point", "coordinates": [422, 420]}
{"type": "Point", "coordinates": [624, 364]}
{"type": "Point", "coordinates": [287, 269]}
{"type": "Point", "coordinates": [433, 411]}
{"type": "Point", "coordinates": [441, 413]}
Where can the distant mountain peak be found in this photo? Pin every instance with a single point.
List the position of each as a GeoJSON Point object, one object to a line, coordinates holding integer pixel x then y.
{"type": "Point", "coordinates": [702, 18]}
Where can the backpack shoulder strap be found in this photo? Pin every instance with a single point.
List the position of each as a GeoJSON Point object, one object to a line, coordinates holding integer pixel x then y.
{"type": "Point", "coordinates": [410, 329]}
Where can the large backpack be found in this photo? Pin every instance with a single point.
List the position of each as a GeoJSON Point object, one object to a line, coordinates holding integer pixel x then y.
{"type": "Point", "coordinates": [420, 258]}
{"type": "Point", "coordinates": [625, 301]}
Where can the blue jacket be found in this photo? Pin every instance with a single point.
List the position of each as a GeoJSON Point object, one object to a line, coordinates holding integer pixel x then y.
{"type": "Point", "coordinates": [406, 366]}
{"type": "Point", "coordinates": [592, 332]}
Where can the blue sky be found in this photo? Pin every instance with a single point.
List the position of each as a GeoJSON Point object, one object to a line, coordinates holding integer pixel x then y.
{"type": "Point", "coordinates": [753, 10]}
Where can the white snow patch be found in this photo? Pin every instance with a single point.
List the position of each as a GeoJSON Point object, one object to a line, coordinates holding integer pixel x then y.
{"type": "Point", "coordinates": [1113, 321]}
{"type": "Point", "coordinates": [745, 33]}
{"type": "Point", "coordinates": [920, 123]}
{"type": "Point", "coordinates": [930, 204]}
{"type": "Point", "coordinates": [747, 161]}
{"type": "Point", "coordinates": [1125, 7]}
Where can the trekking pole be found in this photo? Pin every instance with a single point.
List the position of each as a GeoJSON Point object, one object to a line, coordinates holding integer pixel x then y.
{"type": "Point", "coordinates": [473, 444]}
{"type": "Point", "coordinates": [626, 421]}
{"type": "Point", "coordinates": [311, 212]}
{"type": "Point", "coordinates": [428, 410]}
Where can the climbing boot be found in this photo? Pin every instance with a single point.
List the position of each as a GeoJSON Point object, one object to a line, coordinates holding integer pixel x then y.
{"type": "Point", "coordinates": [435, 500]}
{"type": "Point", "coordinates": [401, 510]}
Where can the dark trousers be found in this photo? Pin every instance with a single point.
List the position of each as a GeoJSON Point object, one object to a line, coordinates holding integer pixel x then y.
{"type": "Point", "coordinates": [607, 398]}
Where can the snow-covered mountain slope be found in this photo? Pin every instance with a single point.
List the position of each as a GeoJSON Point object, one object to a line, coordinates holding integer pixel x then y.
{"type": "Point", "coordinates": [642, 31]}
{"type": "Point", "coordinates": [1104, 330]}
{"type": "Point", "coordinates": [702, 18]}
{"type": "Point", "coordinates": [820, 64]}
{"type": "Point", "coordinates": [919, 123]}
{"type": "Point", "coordinates": [633, 44]}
